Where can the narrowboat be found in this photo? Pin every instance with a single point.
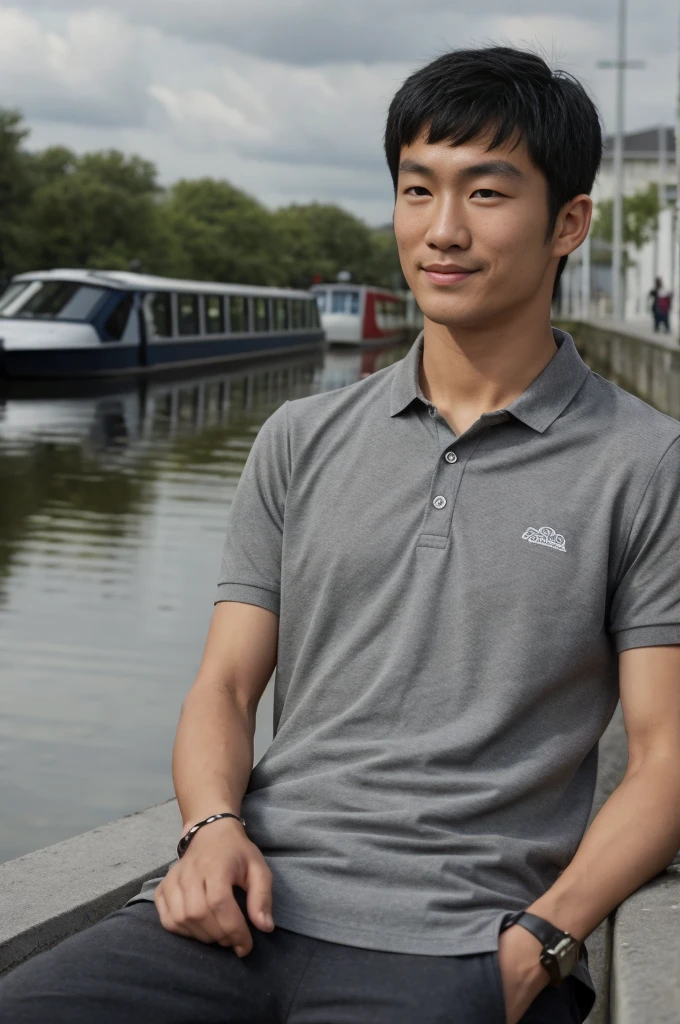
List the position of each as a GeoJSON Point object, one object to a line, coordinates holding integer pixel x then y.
{"type": "Point", "coordinates": [85, 323]}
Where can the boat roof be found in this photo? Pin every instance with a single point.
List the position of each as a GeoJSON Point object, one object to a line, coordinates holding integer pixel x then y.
{"type": "Point", "coordinates": [129, 281]}
{"type": "Point", "coordinates": [345, 286]}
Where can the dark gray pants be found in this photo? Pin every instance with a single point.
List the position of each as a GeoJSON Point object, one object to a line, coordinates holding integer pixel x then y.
{"type": "Point", "coordinates": [128, 969]}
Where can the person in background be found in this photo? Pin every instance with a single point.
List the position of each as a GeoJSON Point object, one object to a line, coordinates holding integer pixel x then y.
{"type": "Point", "coordinates": [660, 305]}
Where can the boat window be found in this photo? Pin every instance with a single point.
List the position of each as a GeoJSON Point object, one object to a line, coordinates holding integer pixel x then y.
{"type": "Point", "coordinates": [61, 300]}
{"type": "Point", "coordinates": [238, 314]}
{"type": "Point", "coordinates": [187, 314]}
{"type": "Point", "coordinates": [345, 302]}
{"type": "Point", "coordinates": [161, 315]}
{"type": "Point", "coordinates": [117, 322]}
{"type": "Point", "coordinates": [311, 313]}
{"type": "Point", "coordinates": [261, 314]}
{"type": "Point", "coordinates": [321, 298]}
{"type": "Point", "coordinates": [12, 293]}
{"type": "Point", "coordinates": [214, 314]}
{"type": "Point", "coordinates": [298, 313]}
{"type": "Point", "coordinates": [281, 314]}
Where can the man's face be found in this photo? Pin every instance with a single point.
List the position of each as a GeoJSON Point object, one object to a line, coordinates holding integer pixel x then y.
{"type": "Point", "coordinates": [483, 213]}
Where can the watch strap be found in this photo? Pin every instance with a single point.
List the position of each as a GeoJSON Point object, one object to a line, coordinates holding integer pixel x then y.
{"type": "Point", "coordinates": [546, 933]}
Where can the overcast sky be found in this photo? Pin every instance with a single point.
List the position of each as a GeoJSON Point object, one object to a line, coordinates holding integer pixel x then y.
{"type": "Point", "coordinates": [287, 98]}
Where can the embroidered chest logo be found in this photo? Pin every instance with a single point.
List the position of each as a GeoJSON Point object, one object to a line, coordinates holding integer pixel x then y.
{"type": "Point", "coordinates": [545, 535]}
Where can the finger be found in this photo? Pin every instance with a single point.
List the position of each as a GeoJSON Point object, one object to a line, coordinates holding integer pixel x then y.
{"type": "Point", "coordinates": [259, 900]}
{"type": "Point", "coordinates": [198, 916]}
{"type": "Point", "coordinates": [165, 916]}
{"type": "Point", "coordinates": [175, 897]}
{"type": "Point", "coordinates": [233, 925]}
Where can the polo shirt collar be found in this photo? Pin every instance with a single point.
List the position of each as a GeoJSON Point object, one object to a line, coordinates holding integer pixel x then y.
{"type": "Point", "coordinates": [538, 407]}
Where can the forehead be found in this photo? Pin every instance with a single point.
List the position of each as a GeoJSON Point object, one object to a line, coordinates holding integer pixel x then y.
{"type": "Point", "coordinates": [444, 158]}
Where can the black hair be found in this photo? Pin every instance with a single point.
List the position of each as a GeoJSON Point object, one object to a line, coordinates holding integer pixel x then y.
{"type": "Point", "coordinates": [506, 93]}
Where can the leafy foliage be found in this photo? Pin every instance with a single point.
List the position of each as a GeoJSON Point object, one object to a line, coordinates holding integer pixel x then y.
{"type": "Point", "coordinates": [640, 217]}
{"type": "Point", "coordinates": [59, 209]}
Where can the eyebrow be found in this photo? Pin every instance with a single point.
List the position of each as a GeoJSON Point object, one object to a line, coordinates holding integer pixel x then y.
{"type": "Point", "coordinates": [499, 168]}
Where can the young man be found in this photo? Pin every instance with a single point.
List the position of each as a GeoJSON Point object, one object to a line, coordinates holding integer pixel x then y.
{"type": "Point", "coordinates": [457, 566]}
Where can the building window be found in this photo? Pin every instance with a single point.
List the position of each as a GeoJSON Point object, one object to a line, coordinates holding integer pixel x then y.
{"type": "Point", "coordinates": [281, 314]}
{"type": "Point", "coordinates": [187, 314]}
{"type": "Point", "coordinates": [214, 314]}
{"type": "Point", "coordinates": [261, 314]}
{"type": "Point", "coordinates": [238, 314]}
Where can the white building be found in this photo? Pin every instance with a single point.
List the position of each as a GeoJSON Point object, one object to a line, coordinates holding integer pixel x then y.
{"type": "Point", "coordinates": [649, 158]}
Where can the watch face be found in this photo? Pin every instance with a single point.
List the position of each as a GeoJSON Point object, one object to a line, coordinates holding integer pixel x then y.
{"type": "Point", "coordinates": [566, 955]}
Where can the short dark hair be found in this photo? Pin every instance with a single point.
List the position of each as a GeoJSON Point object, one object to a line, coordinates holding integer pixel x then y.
{"type": "Point", "coordinates": [506, 93]}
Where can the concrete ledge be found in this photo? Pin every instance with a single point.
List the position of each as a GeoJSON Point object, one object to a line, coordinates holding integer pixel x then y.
{"type": "Point", "coordinates": [645, 973]}
{"type": "Point", "coordinates": [56, 892]}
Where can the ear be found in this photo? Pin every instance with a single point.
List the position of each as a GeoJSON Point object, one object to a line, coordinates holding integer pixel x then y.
{"type": "Point", "coordinates": [573, 224]}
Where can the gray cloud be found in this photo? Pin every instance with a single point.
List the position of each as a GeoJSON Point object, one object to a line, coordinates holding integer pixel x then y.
{"type": "Point", "coordinates": [287, 98]}
{"type": "Point", "coordinates": [309, 32]}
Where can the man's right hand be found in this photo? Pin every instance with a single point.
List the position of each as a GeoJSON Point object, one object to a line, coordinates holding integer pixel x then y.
{"type": "Point", "coordinates": [195, 898]}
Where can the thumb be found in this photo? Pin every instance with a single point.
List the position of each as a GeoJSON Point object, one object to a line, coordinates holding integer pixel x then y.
{"type": "Point", "coordinates": [259, 894]}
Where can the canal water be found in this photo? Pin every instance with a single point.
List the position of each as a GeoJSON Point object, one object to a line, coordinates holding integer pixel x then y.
{"type": "Point", "coordinates": [112, 516]}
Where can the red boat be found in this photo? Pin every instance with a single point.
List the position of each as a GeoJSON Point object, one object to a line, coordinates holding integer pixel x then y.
{"type": "Point", "coordinates": [352, 313]}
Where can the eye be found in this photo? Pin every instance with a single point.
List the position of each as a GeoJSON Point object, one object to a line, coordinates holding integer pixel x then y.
{"type": "Point", "coordinates": [417, 190]}
{"type": "Point", "coordinates": [486, 193]}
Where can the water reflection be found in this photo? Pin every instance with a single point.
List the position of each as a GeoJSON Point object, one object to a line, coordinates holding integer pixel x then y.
{"type": "Point", "coordinates": [111, 522]}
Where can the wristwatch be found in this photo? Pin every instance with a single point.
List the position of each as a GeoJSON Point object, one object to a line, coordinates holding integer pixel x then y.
{"type": "Point", "coordinates": [561, 951]}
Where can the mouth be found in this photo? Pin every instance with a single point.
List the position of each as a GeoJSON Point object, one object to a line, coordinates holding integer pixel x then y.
{"type": "Point", "coordinates": [443, 273]}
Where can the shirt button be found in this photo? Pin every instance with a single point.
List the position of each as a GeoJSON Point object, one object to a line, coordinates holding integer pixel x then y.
{"type": "Point", "coordinates": [451, 457]}
{"type": "Point", "coordinates": [433, 411]}
{"type": "Point", "coordinates": [439, 501]}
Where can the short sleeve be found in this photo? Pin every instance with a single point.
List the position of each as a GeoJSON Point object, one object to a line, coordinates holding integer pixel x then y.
{"type": "Point", "coordinates": [645, 608]}
{"type": "Point", "coordinates": [251, 556]}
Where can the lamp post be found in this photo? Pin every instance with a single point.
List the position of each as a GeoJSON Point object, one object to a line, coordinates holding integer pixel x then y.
{"type": "Point", "coordinates": [620, 64]}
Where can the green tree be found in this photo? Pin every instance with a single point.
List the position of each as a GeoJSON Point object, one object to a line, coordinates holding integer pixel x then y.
{"type": "Point", "coordinates": [107, 210]}
{"type": "Point", "coordinates": [15, 192]}
{"type": "Point", "coordinates": [220, 234]}
{"type": "Point", "coordinates": [640, 217]}
{"type": "Point", "coordinates": [322, 239]}
{"type": "Point", "coordinates": [99, 210]}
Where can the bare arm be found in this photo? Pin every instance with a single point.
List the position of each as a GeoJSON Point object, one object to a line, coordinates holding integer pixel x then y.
{"type": "Point", "coordinates": [211, 766]}
{"type": "Point", "coordinates": [213, 753]}
{"type": "Point", "coordinates": [635, 835]}
{"type": "Point", "coordinates": [637, 832]}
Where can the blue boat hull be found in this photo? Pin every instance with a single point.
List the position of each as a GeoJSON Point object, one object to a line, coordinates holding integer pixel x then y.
{"type": "Point", "coordinates": [121, 360]}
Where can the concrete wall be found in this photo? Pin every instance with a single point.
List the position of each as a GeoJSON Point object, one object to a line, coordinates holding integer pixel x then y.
{"type": "Point", "coordinates": [646, 364]}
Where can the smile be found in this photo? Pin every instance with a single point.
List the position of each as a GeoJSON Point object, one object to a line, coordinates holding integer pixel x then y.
{"type": "Point", "coordinates": [448, 276]}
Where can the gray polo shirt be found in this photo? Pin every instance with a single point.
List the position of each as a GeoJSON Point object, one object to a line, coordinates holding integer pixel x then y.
{"type": "Point", "coordinates": [451, 608]}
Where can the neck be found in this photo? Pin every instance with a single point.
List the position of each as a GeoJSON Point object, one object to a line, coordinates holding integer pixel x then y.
{"type": "Point", "coordinates": [467, 371]}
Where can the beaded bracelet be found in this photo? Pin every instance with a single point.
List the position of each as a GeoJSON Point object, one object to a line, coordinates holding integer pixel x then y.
{"type": "Point", "coordinates": [185, 840]}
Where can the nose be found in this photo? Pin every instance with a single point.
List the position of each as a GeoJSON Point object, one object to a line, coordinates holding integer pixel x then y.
{"type": "Point", "coordinates": [448, 228]}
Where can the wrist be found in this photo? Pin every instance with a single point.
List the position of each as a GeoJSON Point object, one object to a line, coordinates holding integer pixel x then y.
{"type": "Point", "coordinates": [189, 823]}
